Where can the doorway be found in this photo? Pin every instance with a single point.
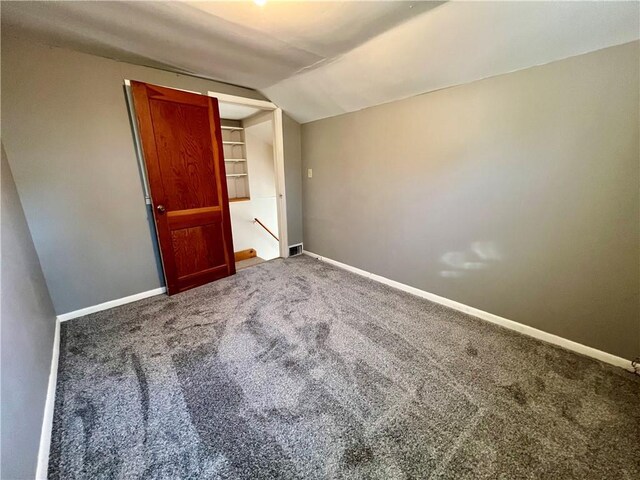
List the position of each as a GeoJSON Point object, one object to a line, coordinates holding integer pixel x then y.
{"type": "Point", "coordinates": [247, 136]}
{"type": "Point", "coordinates": [265, 208]}
{"type": "Point", "coordinates": [260, 127]}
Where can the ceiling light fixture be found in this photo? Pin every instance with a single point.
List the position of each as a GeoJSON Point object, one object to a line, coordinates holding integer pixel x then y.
{"type": "Point", "coordinates": [260, 3]}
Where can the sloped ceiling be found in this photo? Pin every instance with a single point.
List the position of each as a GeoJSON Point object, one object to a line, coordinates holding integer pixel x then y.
{"type": "Point", "coordinates": [233, 111]}
{"type": "Point", "coordinates": [320, 59]}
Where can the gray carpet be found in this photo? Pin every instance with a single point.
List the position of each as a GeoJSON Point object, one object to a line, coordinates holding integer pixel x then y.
{"type": "Point", "coordinates": [296, 369]}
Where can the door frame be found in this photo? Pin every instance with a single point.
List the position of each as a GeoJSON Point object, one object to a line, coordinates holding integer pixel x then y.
{"type": "Point", "coordinates": [278, 153]}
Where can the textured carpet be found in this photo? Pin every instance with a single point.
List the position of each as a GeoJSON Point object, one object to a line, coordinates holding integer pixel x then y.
{"type": "Point", "coordinates": [296, 369]}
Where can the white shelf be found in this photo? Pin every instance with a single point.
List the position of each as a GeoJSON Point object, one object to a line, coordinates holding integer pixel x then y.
{"type": "Point", "coordinates": [237, 176]}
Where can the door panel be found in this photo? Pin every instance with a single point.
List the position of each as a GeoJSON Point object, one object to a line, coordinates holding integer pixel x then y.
{"type": "Point", "coordinates": [182, 145]}
{"type": "Point", "coordinates": [195, 249]}
{"type": "Point", "coordinates": [182, 134]}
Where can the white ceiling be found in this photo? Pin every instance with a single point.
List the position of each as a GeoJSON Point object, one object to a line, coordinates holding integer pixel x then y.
{"type": "Point", "coordinates": [319, 59]}
{"type": "Point", "coordinates": [234, 111]}
{"type": "Point", "coordinates": [453, 44]}
{"type": "Point", "coordinates": [236, 42]}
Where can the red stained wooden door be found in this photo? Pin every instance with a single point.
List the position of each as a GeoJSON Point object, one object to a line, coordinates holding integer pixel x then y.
{"type": "Point", "coordinates": [182, 147]}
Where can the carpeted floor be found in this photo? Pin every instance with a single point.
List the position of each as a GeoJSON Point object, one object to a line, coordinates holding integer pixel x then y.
{"type": "Point", "coordinates": [296, 369]}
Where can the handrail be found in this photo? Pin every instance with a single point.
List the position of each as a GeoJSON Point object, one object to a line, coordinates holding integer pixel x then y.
{"type": "Point", "coordinates": [270, 232]}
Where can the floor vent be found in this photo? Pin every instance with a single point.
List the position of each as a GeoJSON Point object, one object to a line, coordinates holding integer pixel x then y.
{"type": "Point", "coordinates": [295, 250]}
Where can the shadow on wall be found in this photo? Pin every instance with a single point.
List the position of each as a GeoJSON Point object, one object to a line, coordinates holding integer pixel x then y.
{"type": "Point", "coordinates": [479, 256]}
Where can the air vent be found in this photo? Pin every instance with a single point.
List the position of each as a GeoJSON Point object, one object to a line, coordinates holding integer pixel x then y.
{"type": "Point", "coordinates": [295, 250]}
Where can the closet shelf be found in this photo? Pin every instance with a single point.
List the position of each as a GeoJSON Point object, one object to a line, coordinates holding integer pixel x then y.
{"type": "Point", "coordinates": [237, 173]}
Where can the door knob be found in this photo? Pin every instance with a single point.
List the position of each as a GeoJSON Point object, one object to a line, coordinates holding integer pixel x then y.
{"type": "Point", "coordinates": [161, 209]}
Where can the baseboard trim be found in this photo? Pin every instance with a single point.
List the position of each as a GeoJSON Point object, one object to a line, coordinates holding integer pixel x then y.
{"type": "Point", "coordinates": [47, 420]}
{"type": "Point", "coordinates": [110, 304]}
{"type": "Point", "coordinates": [489, 317]}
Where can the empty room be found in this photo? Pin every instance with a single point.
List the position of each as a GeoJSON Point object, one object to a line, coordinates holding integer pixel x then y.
{"type": "Point", "coordinates": [320, 240]}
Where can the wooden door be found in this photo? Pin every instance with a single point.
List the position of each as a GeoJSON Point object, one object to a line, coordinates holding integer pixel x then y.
{"type": "Point", "coordinates": [182, 147]}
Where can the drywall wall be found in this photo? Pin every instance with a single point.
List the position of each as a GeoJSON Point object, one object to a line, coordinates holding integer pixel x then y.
{"type": "Point", "coordinates": [293, 178]}
{"type": "Point", "coordinates": [28, 326]}
{"type": "Point", "coordinates": [258, 137]}
{"type": "Point", "coordinates": [68, 138]}
{"type": "Point", "coordinates": [517, 195]}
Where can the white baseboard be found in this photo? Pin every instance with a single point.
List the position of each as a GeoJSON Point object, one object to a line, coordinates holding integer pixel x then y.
{"type": "Point", "coordinates": [47, 420]}
{"type": "Point", "coordinates": [489, 317]}
{"type": "Point", "coordinates": [113, 303]}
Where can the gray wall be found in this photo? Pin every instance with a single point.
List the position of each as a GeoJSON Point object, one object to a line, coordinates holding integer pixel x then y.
{"type": "Point", "coordinates": [517, 195]}
{"type": "Point", "coordinates": [67, 134]}
{"type": "Point", "coordinates": [293, 178]}
{"type": "Point", "coordinates": [28, 326]}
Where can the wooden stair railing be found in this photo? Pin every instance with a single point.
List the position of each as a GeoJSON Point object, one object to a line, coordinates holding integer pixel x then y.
{"type": "Point", "coordinates": [270, 232]}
